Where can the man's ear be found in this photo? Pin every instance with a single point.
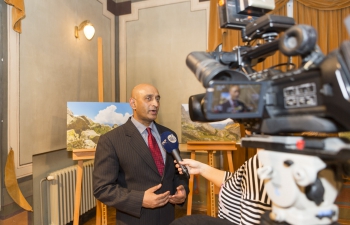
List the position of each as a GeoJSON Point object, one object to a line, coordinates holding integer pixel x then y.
{"type": "Point", "coordinates": [132, 103]}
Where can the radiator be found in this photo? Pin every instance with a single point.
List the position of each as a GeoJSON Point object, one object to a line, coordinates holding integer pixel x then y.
{"type": "Point", "coordinates": [61, 192]}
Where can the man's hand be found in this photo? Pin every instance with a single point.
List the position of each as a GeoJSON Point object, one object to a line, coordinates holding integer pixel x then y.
{"type": "Point", "coordinates": [152, 200]}
{"type": "Point", "coordinates": [179, 197]}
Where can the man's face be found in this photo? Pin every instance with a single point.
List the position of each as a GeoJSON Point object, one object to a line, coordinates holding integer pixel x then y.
{"type": "Point", "coordinates": [145, 103]}
{"type": "Point", "coordinates": [234, 92]}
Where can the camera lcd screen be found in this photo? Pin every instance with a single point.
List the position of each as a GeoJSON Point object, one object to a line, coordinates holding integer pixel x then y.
{"type": "Point", "coordinates": [235, 100]}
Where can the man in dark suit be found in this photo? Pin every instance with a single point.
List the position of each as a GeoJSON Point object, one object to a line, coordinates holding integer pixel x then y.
{"type": "Point", "coordinates": [233, 105]}
{"type": "Point", "coordinates": [126, 176]}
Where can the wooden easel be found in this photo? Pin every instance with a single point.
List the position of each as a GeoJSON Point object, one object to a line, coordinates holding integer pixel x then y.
{"type": "Point", "coordinates": [84, 154]}
{"type": "Point", "coordinates": [210, 147]}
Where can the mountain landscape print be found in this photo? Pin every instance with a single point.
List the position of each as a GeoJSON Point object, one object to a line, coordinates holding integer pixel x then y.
{"type": "Point", "coordinates": [225, 130]}
{"type": "Point", "coordinates": [87, 121]}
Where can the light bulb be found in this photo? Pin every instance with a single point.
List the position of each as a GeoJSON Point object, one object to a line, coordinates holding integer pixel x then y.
{"type": "Point", "coordinates": [89, 31]}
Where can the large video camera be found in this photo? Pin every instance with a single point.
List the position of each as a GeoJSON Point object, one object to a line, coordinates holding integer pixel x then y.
{"type": "Point", "coordinates": [276, 104]}
{"type": "Point", "coordinates": [312, 97]}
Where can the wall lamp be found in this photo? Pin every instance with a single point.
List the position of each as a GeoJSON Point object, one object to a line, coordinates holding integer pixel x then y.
{"type": "Point", "coordinates": [89, 30]}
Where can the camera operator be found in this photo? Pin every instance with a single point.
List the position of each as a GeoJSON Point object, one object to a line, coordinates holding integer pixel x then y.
{"type": "Point", "coordinates": [232, 105]}
{"type": "Point", "coordinates": [242, 198]}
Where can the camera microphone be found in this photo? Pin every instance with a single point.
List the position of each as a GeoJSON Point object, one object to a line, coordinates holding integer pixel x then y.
{"type": "Point", "coordinates": [171, 145]}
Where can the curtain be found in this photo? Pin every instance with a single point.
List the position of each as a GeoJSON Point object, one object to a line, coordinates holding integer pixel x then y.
{"type": "Point", "coordinates": [325, 4]}
{"type": "Point", "coordinates": [214, 31]}
{"type": "Point", "coordinates": [327, 17]}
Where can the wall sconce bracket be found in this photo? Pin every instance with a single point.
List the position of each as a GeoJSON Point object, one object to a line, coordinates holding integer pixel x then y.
{"type": "Point", "coordinates": [89, 30]}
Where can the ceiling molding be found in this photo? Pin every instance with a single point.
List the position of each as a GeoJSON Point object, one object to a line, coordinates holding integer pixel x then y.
{"type": "Point", "coordinates": [118, 9]}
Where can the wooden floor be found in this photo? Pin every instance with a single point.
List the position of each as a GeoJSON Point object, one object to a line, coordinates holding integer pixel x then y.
{"type": "Point", "coordinates": [179, 212]}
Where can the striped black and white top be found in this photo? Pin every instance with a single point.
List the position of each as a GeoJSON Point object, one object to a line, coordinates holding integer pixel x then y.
{"type": "Point", "coordinates": [242, 197]}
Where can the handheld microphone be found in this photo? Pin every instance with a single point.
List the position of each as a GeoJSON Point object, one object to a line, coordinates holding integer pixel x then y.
{"type": "Point", "coordinates": [171, 145]}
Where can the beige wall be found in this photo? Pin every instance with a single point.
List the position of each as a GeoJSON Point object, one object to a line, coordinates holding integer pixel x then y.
{"type": "Point", "coordinates": [157, 43]}
{"type": "Point", "coordinates": [55, 67]}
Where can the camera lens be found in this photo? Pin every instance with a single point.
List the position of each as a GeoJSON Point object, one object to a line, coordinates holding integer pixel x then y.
{"type": "Point", "coordinates": [206, 69]}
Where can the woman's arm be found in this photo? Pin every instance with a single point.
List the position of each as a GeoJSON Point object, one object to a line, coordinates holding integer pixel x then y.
{"type": "Point", "coordinates": [212, 174]}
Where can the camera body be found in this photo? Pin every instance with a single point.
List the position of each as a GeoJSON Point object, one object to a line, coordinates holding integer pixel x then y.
{"type": "Point", "coordinates": [311, 97]}
{"type": "Point", "coordinates": [302, 175]}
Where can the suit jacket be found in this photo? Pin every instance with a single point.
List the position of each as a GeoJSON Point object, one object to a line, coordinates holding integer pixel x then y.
{"type": "Point", "coordinates": [124, 169]}
{"type": "Point", "coordinates": [226, 107]}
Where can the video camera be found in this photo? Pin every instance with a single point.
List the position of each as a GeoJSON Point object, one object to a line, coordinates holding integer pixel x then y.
{"type": "Point", "coordinates": [302, 175]}
{"type": "Point", "coordinates": [312, 97]}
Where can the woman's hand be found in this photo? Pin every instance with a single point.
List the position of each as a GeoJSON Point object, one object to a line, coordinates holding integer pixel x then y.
{"type": "Point", "coordinates": [193, 166]}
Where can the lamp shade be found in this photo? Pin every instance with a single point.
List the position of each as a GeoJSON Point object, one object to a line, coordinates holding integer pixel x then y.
{"type": "Point", "coordinates": [89, 31]}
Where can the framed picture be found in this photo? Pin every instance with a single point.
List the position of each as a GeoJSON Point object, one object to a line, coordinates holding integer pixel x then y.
{"type": "Point", "coordinates": [225, 130]}
{"type": "Point", "coordinates": [87, 121]}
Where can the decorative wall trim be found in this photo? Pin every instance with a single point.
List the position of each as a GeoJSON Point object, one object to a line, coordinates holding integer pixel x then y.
{"type": "Point", "coordinates": [135, 7]}
{"type": "Point", "coordinates": [13, 98]}
{"type": "Point", "coordinates": [110, 15]}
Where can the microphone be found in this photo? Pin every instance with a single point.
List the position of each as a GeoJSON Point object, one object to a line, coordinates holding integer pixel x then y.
{"type": "Point", "coordinates": [171, 145]}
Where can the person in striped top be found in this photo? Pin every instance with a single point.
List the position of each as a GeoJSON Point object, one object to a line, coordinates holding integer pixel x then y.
{"type": "Point", "coordinates": [242, 198]}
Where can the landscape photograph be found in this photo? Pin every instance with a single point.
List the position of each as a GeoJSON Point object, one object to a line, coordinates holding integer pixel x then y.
{"type": "Point", "coordinates": [87, 121]}
{"type": "Point", "coordinates": [225, 130]}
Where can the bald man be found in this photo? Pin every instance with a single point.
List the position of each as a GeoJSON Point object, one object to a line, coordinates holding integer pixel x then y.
{"type": "Point", "coordinates": [233, 105]}
{"type": "Point", "coordinates": [126, 176]}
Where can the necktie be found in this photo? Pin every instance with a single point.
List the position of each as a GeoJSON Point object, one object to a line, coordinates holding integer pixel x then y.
{"type": "Point", "coordinates": [157, 155]}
